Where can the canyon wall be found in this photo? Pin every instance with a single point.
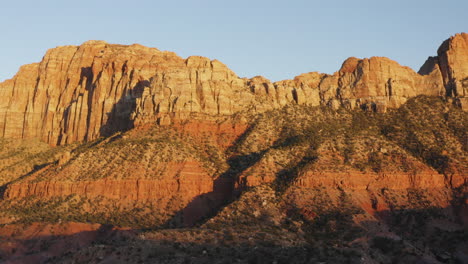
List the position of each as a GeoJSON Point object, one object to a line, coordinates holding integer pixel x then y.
{"type": "Point", "coordinates": [79, 93]}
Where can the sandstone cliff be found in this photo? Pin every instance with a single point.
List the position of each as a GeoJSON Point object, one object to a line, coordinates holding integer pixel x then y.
{"type": "Point", "coordinates": [152, 176]}
{"type": "Point", "coordinates": [78, 93]}
{"type": "Point", "coordinates": [81, 93]}
{"type": "Point", "coordinates": [452, 61]}
{"type": "Point", "coordinates": [96, 89]}
{"type": "Point", "coordinates": [247, 159]}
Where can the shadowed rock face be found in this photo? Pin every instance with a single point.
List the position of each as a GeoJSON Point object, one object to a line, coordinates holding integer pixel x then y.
{"type": "Point", "coordinates": [78, 93]}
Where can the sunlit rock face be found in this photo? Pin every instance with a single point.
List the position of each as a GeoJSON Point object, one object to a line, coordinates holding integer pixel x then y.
{"type": "Point", "coordinates": [79, 93]}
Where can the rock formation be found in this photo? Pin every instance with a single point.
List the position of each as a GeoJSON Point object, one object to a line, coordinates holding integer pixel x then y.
{"type": "Point", "coordinates": [78, 93]}
{"type": "Point", "coordinates": [452, 59]}
{"type": "Point", "coordinates": [382, 82]}
{"type": "Point", "coordinates": [174, 141]}
{"type": "Point", "coordinates": [183, 177]}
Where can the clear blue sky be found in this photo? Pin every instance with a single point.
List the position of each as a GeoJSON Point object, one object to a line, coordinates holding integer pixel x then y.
{"type": "Point", "coordinates": [276, 39]}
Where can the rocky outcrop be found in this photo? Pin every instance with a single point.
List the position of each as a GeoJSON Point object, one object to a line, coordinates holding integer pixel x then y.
{"type": "Point", "coordinates": [79, 93]}
{"type": "Point", "coordinates": [379, 83]}
{"type": "Point", "coordinates": [452, 60]}
{"type": "Point", "coordinates": [355, 180]}
{"type": "Point", "coordinates": [352, 179]}
{"type": "Point", "coordinates": [222, 134]}
{"type": "Point", "coordinates": [186, 179]}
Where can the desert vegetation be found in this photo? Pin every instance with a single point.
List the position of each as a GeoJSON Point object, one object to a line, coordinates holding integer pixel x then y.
{"type": "Point", "coordinates": [272, 213]}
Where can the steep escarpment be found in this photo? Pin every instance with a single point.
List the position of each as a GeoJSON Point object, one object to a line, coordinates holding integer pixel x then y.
{"type": "Point", "coordinates": [79, 93]}
{"type": "Point", "coordinates": [422, 145]}
{"type": "Point", "coordinates": [369, 164]}
{"type": "Point", "coordinates": [451, 59]}
{"type": "Point", "coordinates": [325, 179]}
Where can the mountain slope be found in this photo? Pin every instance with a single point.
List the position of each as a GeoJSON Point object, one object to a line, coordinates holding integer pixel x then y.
{"type": "Point", "coordinates": [163, 159]}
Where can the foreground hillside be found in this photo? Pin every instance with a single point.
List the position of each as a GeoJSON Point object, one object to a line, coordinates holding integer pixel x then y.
{"type": "Point", "coordinates": [128, 154]}
{"type": "Point", "coordinates": [298, 183]}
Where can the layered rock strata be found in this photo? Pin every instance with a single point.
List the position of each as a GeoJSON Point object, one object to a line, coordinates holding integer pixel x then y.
{"type": "Point", "coordinates": [79, 93]}
{"type": "Point", "coordinates": [188, 178]}
{"type": "Point", "coordinates": [356, 180]}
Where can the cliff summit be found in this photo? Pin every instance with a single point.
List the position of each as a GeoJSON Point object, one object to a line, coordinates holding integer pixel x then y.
{"type": "Point", "coordinates": [79, 93]}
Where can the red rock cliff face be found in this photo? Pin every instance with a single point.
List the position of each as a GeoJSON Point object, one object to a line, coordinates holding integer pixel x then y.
{"type": "Point", "coordinates": [78, 93]}
{"type": "Point", "coordinates": [187, 178]}
{"type": "Point", "coordinates": [81, 93]}
{"type": "Point", "coordinates": [452, 60]}
{"type": "Point", "coordinates": [381, 82]}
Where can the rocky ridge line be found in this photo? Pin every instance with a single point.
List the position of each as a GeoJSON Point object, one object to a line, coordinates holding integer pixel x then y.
{"type": "Point", "coordinates": [79, 93]}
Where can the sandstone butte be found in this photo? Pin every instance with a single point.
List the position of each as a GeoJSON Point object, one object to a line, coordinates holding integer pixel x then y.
{"type": "Point", "coordinates": [79, 93]}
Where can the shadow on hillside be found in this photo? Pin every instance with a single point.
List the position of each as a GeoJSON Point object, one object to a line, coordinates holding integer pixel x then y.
{"type": "Point", "coordinates": [225, 189]}
{"type": "Point", "coordinates": [45, 248]}
{"type": "Point", "coordinates": [2, 191]}
{"type": "Point", "coordinates": [287, 176]}
{"type": "Point", "coordinates": [229, 185]}
{"type": "Point", "coordinates": [126, 246]}
{"type": "Point", "coordinates": [118, 119]}
{"type": "Point", "coordinates": [35, 169]}
{"type": "Point", "coordinates": [408, 241]}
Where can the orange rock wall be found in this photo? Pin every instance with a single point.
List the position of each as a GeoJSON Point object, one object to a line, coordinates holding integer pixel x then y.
{"type": "Point", "coordinates": [78, 93]}
{"type": "Point", "coordinates": [357, 180]}
{"type": "Point", "coordinates": [186, 179]}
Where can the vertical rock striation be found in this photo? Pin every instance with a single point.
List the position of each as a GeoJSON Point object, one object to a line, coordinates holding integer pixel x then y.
{"type": "Point", "coordinates": [79, 93]}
